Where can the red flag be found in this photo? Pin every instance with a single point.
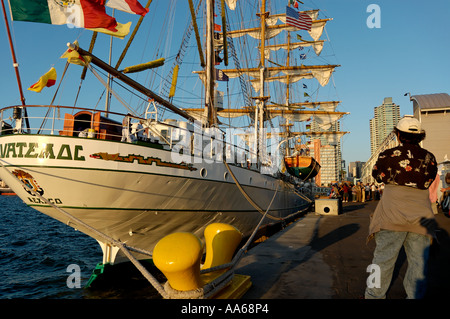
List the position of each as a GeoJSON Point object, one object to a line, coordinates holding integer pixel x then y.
{"type": "Point", "coordinates": [130, 6]}
{"type": "Point", "coordinates": [95, 16]}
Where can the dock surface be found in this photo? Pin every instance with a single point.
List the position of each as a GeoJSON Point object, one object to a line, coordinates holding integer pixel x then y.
{"type": "Point", "coordinates": [326, 257]}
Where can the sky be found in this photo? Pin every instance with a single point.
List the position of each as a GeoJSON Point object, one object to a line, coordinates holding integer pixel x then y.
{"type": "Point", "coordinates": [407, 50]}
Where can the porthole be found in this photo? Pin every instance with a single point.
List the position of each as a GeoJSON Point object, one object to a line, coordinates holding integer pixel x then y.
{"type": "Point", "coordinates": [225, 176]}
{"type": "Point", "coordinates": [250, 181]}
{"type": "Point", "coordinates": [203, 172]}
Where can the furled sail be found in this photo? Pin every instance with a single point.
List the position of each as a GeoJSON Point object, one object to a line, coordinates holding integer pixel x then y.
{"type": "Point", "coordinates": [328, 106]}
{"type": "Point", "coordinates": [320, 72]}
{"type": "Point", "coordinates": [264, 78]}
{"type": "Point", "coordinates": [273, 30]}
{"type": "Point", "coordinates": [316, 45]}
{"type": "Point", "coordinates": [322, 118]}
{"type": "Point", "coordinates": [144, 66]}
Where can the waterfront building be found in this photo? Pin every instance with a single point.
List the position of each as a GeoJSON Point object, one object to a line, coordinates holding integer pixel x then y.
{"type": "Point", "coordinates": [328, 153]}
{"type": "Point", "coordinates": [354, 169]}
{"type": "Point", "coordinates": [433, 111]}
{"type": "Point", "coordinates": [386, 116]}
{"type": "Point", "coordinates": [330, 163]}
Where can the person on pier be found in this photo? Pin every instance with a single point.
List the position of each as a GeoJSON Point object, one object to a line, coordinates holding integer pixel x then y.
{"type": "Point", "coordinates": [404, 216]}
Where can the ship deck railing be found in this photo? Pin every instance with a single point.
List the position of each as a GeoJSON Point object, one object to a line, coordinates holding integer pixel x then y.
{"type": "Point", "coordinates": [106, 125]}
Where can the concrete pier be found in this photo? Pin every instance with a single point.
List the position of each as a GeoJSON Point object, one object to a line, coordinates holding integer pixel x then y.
{"type": "Point", "coordinates": [326, 257]}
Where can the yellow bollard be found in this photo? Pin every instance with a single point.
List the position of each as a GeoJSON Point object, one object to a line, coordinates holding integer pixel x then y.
{"type": "Point", "coordinates": [178, 257]}
{"type": "Point", "coordinates": [221, 242]}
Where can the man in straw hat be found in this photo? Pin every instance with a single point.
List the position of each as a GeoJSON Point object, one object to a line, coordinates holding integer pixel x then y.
{"type": "Point", "coordinates": [403, 216]}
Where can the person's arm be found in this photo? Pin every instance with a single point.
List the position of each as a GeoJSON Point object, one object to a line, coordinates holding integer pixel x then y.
{"type": "Point", "coordinates": [379, 167]}
{"type": "Point", "coordinates": [433, 189]}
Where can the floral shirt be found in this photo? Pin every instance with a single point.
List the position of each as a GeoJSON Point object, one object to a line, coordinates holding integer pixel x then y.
{"type": "Point", "coordinates": [407, 165]}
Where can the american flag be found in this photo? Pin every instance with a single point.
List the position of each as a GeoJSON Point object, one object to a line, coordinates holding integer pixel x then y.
{"type": "Point", "coordinates": [298, 19]}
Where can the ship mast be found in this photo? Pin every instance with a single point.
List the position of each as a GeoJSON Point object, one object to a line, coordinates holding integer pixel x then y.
{"type": "Point", "coordinates": [286, 121]}
{"type": "Point", "coordinates": [17, 110]}
{"type": "Point", "coordinates": [210, 61]}
{"type": "Point", "coordinates": [260, 102]}
{"type": "Point", "coordinates": [15, 64]}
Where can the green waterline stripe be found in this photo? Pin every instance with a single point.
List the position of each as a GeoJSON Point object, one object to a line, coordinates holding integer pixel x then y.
{"type": "Point", "coordinates": [151, 210]}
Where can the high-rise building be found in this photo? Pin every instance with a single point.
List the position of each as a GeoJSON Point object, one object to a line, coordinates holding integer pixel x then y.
{"type": "Point", "coordinates": [327, 151]}
{"type": "Point", "coordinates": [355, 169]}
{"type": "Point", "coordinates": [329, 165]}
{"type": "Point", "coordinates": [386, 116]}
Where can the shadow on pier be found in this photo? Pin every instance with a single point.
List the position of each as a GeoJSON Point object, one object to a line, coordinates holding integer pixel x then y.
{"type": "Point", "coordinates": [326, 257]}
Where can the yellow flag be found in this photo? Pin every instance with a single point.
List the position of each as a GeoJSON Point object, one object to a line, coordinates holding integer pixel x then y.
{"type": "Point", "coordinates": [47, 80]}
{"type": "Point", "coordinates": [74, 57]}
{"type": "Point", "coordinates": [122, 30]}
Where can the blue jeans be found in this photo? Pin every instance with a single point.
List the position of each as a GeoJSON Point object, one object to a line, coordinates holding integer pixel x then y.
{"type": "Point", "coordinates": [388, 245]}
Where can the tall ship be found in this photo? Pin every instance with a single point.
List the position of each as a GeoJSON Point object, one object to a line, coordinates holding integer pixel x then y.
{"type": "Point", "coordinates": [172, 163]}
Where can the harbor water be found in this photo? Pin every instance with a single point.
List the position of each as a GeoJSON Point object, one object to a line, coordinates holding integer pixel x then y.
{"type": "Point", "coordinates": [38, 255]}
{"type": "Point", "coordinates": [36, 250]}
{"type": "Point", "coordinates": [315, 257]}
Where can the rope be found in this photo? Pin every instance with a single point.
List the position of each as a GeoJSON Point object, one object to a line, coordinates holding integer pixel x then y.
{"type": "Point", "coordinates": [239, 254]}
{"type": "Point", "coordinates": [213, 286]}
{"type": "Point", "coordinates": [259, 209]}
{"type": "Point", "coordinates": [105, 237]}
{"type": "Point", "coordinates": [303, 197]}
{"type": "Point", "coordinates": [136, 28]}
{"type": "Point", "coordinates": [112, 91]}
{"type": "Point", "coordinates": [167, 292]}
{"type": "Point", "coordinates": [220, 282]}
{"type": "Point", "coordinates": [312, 170]}
{"type": "Point", "coordinates": [223, 280]}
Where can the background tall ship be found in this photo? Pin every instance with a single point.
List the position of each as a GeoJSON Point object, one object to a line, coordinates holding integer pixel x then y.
{"type": "Point", "coordinates": [165, 166]}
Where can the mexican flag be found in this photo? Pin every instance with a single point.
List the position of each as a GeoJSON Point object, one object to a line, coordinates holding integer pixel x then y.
{"type": "Point", "coordinates": [89, 14]}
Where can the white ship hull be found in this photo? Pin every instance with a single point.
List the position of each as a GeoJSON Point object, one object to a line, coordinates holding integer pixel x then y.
{"type": "Point", "coordinates": [137, 194]}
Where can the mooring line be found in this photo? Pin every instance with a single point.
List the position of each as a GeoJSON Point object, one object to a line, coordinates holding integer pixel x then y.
{"type": "Point", "coordinates": [107, 238]}
{"type": "Point", "coordinates": [209, 289]}
{"type": "Point", "coordinates": [239, 186]}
